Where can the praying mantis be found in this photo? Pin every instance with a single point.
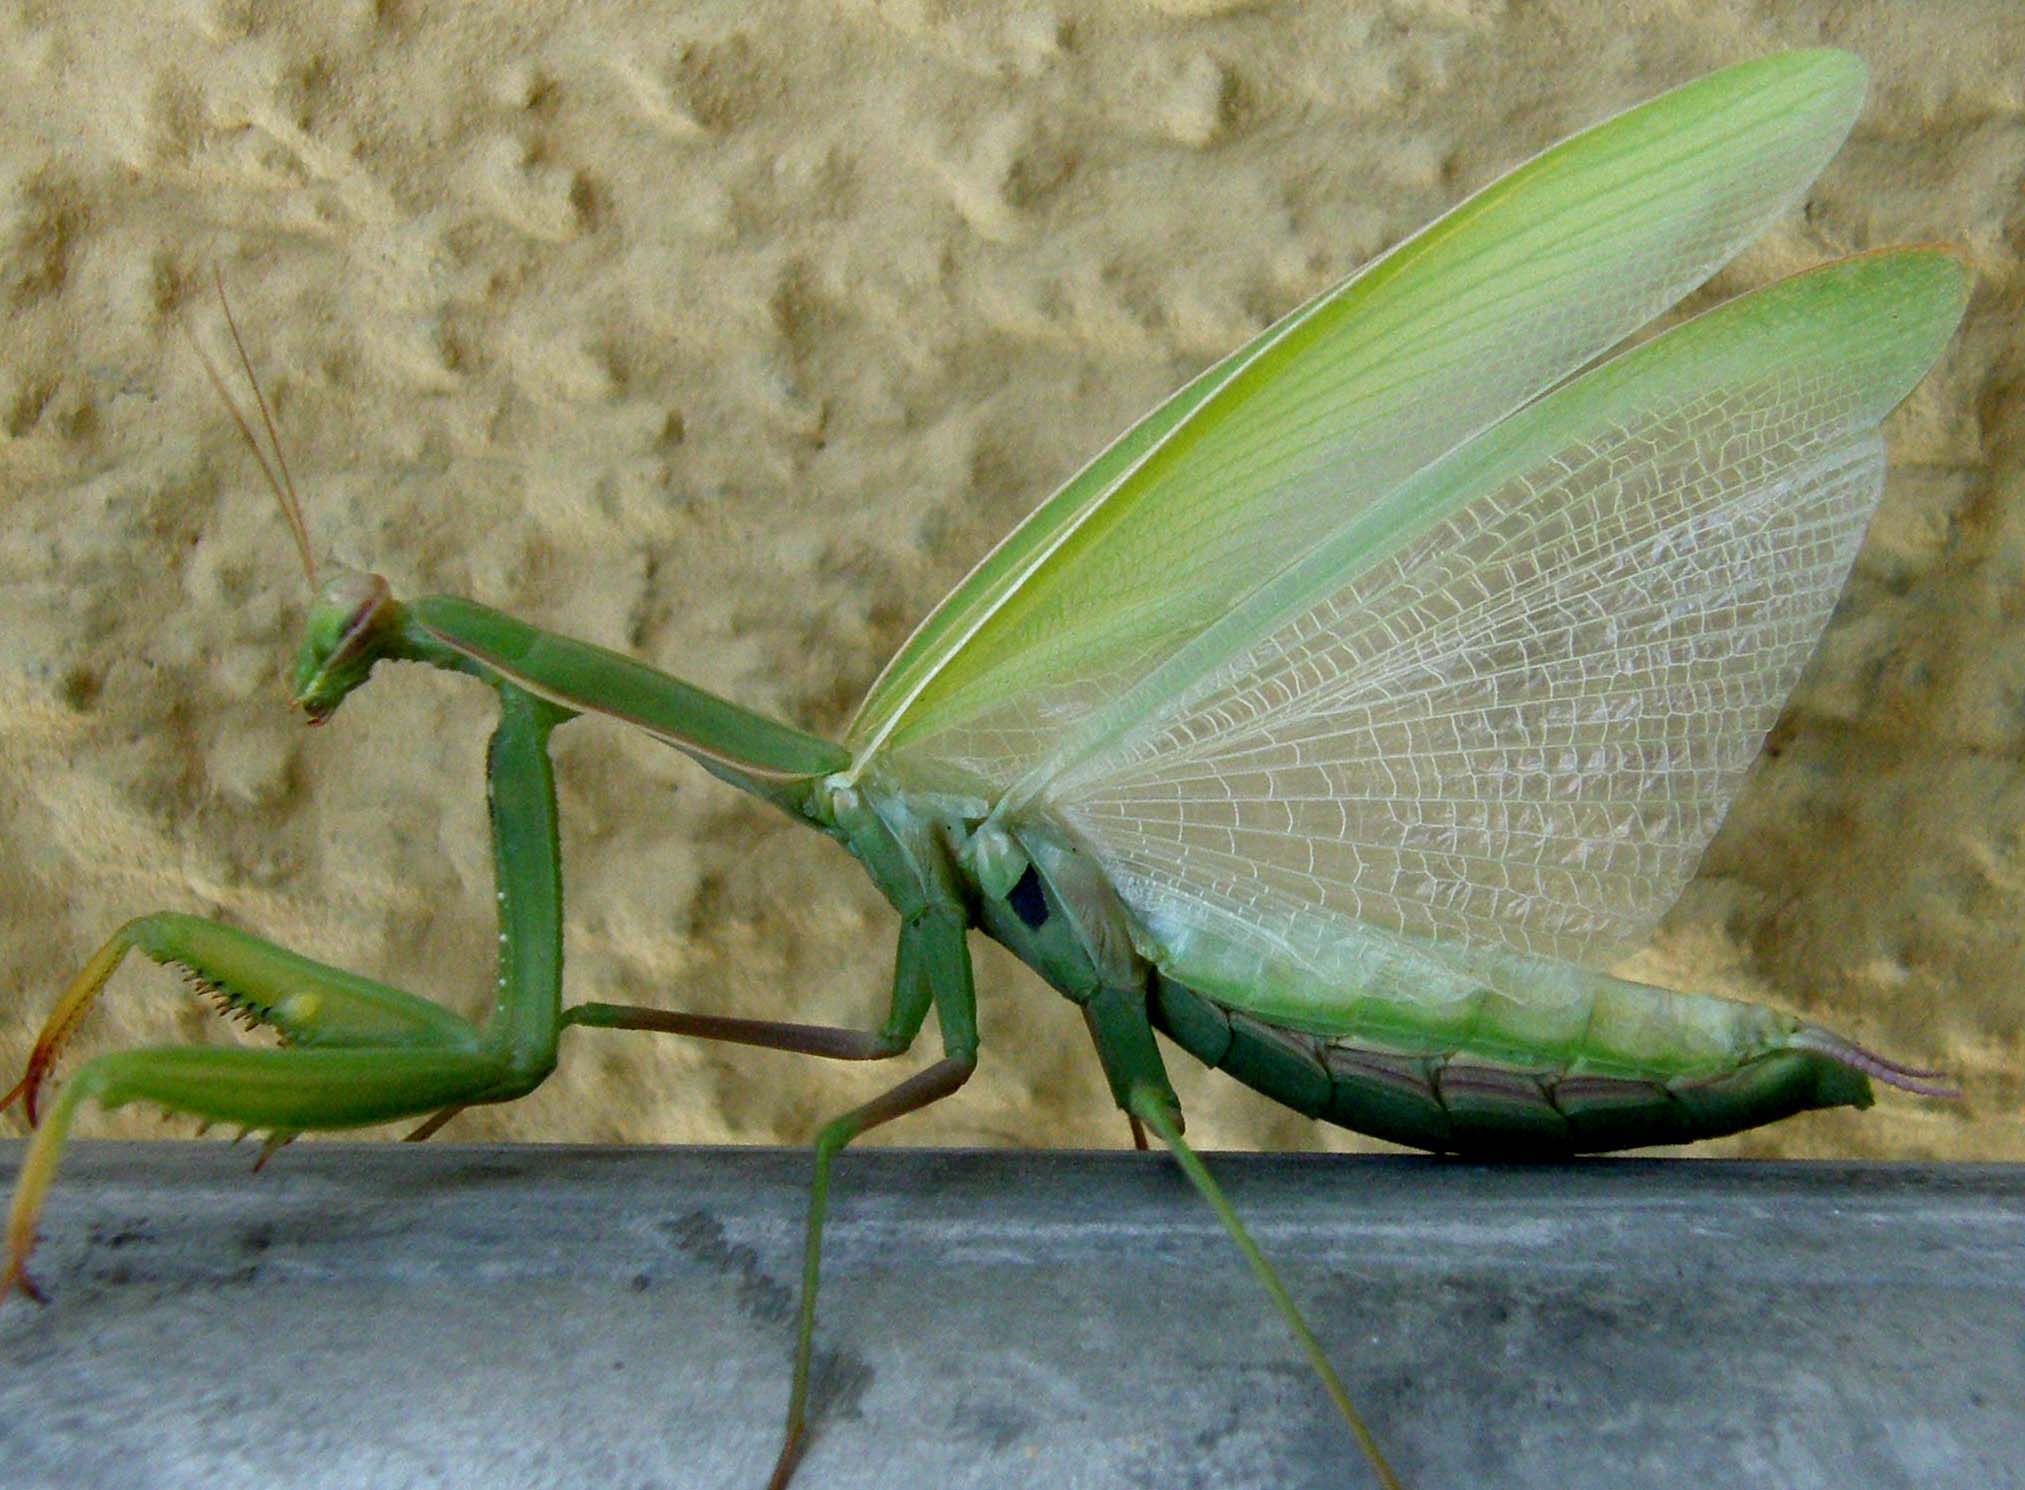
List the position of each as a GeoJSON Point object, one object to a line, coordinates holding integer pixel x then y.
{"type": "Point", "coordinates": [1336, 721]}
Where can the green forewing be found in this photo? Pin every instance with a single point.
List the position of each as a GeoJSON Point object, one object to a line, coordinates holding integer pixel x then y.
{"type": "Point", "coordinates": [1281, 446]}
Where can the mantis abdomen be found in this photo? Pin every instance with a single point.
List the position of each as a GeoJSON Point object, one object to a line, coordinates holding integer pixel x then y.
{"type": "Point", "coordinates": [1489, 1096]}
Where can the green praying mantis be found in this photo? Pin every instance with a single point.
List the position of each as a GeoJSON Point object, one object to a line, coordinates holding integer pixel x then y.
{"type": "Point", "coordinates": [1337, 721]}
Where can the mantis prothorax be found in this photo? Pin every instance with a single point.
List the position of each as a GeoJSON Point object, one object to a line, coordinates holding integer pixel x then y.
{"type": "Point", "coordinates": [1337, 720]}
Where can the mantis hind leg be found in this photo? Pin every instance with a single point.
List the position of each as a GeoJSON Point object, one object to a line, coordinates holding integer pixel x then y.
{"type": "Point", "coordinates": [1124, 1039]}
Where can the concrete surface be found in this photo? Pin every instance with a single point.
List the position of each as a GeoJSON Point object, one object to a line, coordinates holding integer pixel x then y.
{"type": "Point", "coordinates": [447, 1316]}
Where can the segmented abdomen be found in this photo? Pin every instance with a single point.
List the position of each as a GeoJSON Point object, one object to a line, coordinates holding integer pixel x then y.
{"type": "Point", "coordinates": [1455, 1102]}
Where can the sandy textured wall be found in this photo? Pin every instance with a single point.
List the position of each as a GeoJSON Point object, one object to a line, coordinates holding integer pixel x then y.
{"type": "Point", "coordinates": [732, 335]}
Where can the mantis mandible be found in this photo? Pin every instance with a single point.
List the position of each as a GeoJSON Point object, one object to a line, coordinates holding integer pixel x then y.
{"type": "Point", "coordinates": [1336, 721]}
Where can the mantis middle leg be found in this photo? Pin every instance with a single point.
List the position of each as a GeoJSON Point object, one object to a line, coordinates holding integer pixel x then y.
{"type": "Point", "coordinates": [933, 959]}
{"type": "Point", "coordinates": [832, 1042]}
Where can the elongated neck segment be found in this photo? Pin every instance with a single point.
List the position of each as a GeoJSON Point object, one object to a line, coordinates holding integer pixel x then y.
{"type": "Point", "coordinates": [356, 622]}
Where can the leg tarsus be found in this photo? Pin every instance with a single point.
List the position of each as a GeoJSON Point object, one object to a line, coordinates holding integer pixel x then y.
{"type": "Point", "coordinates": [14, 1276]}
{"type": "Point", "coordinates": [790, 1456]}
{"type": "Point", "coordinates": [31, 1188]}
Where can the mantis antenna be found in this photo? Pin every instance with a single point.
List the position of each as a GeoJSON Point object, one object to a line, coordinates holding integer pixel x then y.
{"type": "Point", "coordinates": [283, 485]}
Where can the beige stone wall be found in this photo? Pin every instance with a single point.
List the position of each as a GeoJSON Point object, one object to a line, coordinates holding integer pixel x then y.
{"type": "Point", "coordinates": [732, 335]}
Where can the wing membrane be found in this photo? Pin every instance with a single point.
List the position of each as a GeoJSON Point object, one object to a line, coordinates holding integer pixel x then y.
{"type": "Point", "coordinates": [1293, 438]}
{"type": "Point", "coordinates": [1513, 703]}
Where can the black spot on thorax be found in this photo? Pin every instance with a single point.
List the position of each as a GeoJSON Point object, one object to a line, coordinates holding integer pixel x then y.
{"type": "Point", "coordinates": [1027, 900]}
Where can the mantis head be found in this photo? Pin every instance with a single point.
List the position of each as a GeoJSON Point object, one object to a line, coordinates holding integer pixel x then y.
{"type": "Point", "coordinates": [354, 615]}
{"type": "Point", "coordinates": [351, 621]}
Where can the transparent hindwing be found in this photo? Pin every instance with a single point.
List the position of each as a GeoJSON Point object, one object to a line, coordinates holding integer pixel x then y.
{"type": "Point", "coordinates": [1513, 703]}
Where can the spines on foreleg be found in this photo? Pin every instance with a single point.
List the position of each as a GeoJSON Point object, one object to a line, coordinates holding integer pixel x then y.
{"type": "Point", "coordinates": [304, 1002]}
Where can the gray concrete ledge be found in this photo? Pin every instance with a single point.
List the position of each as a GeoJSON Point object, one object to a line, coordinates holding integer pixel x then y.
{"type": "Point", "coordinates": [396, 1316]}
